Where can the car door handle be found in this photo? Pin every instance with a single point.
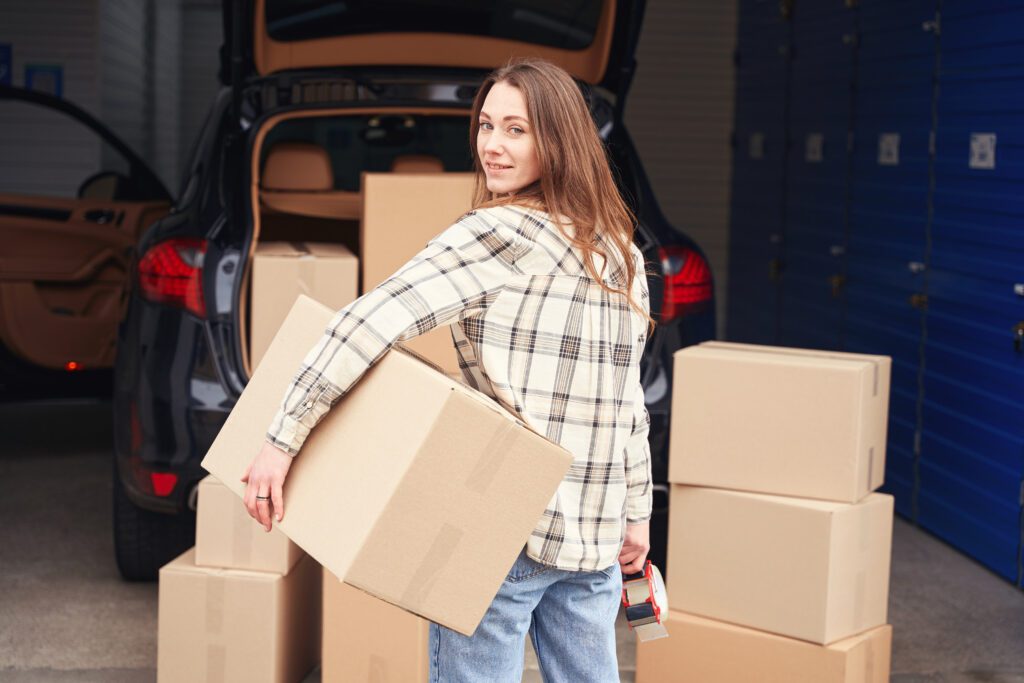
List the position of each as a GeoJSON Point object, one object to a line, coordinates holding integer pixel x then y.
{"type": "Point", "coordinates": [100, 216]}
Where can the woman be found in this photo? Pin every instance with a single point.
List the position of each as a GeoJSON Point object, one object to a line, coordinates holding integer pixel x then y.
{"type": "Point", "coordinates": [551, 320]}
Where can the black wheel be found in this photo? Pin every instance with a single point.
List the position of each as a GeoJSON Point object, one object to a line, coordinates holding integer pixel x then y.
{"type": "Point", "coordinates": [145, 540]}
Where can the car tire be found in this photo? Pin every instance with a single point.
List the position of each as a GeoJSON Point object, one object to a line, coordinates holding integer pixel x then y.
{"type": "Point", "coordinates": [145, 540]}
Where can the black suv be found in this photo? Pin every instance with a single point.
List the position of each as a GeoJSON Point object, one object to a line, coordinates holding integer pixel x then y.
{"type": "Point", "coordinates": [371, 84]}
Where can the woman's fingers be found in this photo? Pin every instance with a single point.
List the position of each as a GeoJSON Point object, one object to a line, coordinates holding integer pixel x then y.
{"type": "Point", "coordinates": [277, 498]}
{"type": "Point", "coordinates": [245, 477]}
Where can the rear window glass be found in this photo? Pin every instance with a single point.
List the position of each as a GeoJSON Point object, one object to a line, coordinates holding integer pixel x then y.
{"type": "Point", "coordinates": [373, 143]}
{"type": "Point", "coordinates": [568, 24]}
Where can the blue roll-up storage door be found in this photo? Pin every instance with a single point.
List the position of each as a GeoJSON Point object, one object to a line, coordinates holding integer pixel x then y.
{"type": "Point", "coordinates": [817, 169]}
{"type": "Point", "coordinates": [972, 451]}
{"type": "Point", "coordinates": [886, 250]}
{"type": "Point", "coordinates": [758, 171]}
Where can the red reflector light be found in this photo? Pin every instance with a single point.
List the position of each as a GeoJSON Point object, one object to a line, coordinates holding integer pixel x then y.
{"type": "Point", "coordinates": [163, 483]}
{"type": "Point", "coordinates": [149, 482]}
{"type": "Point", "coordinates": [171, 272]}
{"type": "Point", "coordinates": [687, 281]}
{"type": "Point", "coordinates": [71, 366]}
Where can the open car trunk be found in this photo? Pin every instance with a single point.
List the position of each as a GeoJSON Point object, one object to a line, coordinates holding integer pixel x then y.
{"type": "Point", "coordinates": [380, 183]}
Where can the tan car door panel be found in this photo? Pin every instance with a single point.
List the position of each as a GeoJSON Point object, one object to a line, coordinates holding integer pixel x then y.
{"type": "Point", "coordinates": [64, 267]}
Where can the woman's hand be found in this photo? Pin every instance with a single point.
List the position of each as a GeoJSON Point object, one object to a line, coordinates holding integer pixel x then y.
{"type": "Point", "coordinates": [265, 476]}
{"type": "Point", "coordinates": [635, 548]}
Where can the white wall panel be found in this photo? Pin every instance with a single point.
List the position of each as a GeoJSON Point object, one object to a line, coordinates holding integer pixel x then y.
{"type": "Point", "coordinates": [201, 36]}
{"type": "Point", "coordinates": [43, 153]}
{"type": "Point", "coordinates": [125, 58]}
{"type": "Point", "coordinates": [680, 113]}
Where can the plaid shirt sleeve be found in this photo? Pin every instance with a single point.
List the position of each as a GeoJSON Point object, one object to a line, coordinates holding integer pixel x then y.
{"type": "Point", "coordinates": [457, 275]}
{"type": "Point", "coordinates": [639, 495]}
{"type": "Point", "coordinates": [639, 492]}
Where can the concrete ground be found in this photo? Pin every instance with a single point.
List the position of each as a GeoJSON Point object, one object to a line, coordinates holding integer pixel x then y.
{"type": "Point", "coordinates": [65, 615]}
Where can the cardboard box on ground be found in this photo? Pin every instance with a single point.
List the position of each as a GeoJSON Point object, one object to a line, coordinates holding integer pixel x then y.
{"type": "Point", "coordinates": [220, 625]}
{"type": "Point", "coordinates": [702, 650]}
{"type": "Point", "coordinates": [365, 639]}
{"type": "Point", "coordinates": [810, 569]}
{"type": "Point", "coordinates": [414, 488]}
{"type": "Point", "coordinates": [226, 536]}
{"type": "Point", "coordinates": [790, 422]}
{"type": "Point", "coordinates": [401, 214]}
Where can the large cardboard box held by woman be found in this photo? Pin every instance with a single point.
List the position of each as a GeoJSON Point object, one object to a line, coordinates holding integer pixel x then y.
{"type": "Point", "coordinates": [414, 488]}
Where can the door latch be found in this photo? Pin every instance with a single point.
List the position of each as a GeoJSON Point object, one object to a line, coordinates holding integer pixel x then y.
{"type": "Point", "coordinates": [919, 301]}
{"type": "Point", "coordinates": [1018, 337]}
{"type": "Point", "coordinates": [836, 282]}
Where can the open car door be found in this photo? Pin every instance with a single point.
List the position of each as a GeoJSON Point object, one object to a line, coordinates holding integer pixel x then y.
{"type": "Point", "coordinates": [73, 200]}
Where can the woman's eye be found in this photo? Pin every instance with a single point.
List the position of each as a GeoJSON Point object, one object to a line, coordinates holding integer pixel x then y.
{"type": "Point", "coordinates": [517, 130]}
{"type": "Point", "coordinates": [485, 125]}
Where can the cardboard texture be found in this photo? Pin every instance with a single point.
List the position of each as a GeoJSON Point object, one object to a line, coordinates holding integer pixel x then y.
{"type": "Point", "coordinates": [366, 639]}
{"type": "Point", "coordinates": [783, 421]}
{"type": "Point", "coordinates": [219, 625]}
{"type": "Point", "coordinates": [414, 487]}
{"type": "Point", "coordinates": [402, 212]}
{"type": "Point", "coordinates": [328, 273]}
{"type": "Point", "coordinates": [809, 569]}
{"type": "Point", "coordinates": [706, 651]}
{"type": "Point", "coordinates": [226, 536]}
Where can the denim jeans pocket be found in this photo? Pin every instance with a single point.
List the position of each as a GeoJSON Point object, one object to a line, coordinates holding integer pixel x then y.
{"type": "Point", "coordinates": [611, 572]}
{"type": "Point", "coordinates": [524, 568]}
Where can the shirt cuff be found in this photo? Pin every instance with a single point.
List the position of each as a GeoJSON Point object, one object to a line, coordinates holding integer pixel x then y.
{"type": "Point", "coordinates": [289, 436]}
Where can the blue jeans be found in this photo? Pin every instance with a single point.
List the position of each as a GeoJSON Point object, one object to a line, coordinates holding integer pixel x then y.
{"type": "Point", "coordinates": [570, 617]}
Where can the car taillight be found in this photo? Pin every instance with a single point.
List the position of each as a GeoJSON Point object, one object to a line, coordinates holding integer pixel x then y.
{"type": "Point", "coordinates": [687, 281]}
{"type": "Point", "coordinates": [171, 272]}
{"type": "Point", "coordinates": [151, 482]}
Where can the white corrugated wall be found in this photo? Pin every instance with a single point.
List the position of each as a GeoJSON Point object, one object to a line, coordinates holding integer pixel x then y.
{"type": "Point", "coordinates": [201, 36]}
{"type": "Point", "coordinates": [680, 114]}
{"type": "Point", "coordinates": [40, 152]}
{"type": "Point", "coordinates": [126, 89]}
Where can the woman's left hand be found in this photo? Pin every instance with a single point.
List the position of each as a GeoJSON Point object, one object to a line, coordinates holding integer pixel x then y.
{"type": "Point", "coordinates": [264, 497]}
{"type": "Point", "coordinates": [635, 548]}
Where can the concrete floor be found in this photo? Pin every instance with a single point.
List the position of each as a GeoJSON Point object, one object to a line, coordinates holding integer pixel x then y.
{"type": "Point", "coordinates": [65, 615]}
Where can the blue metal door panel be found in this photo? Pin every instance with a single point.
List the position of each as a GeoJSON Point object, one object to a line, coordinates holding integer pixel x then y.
{"type": "Point", "coordinates": [758, 171]}
{"type": "Point", "coordinates": [888, 222]}
{"type": "Point", "coordinates": [972, 445]}
{"type": "Point", "coordinates": [817, 170]}
{"type": "Point", "coordinates": [969, 519]}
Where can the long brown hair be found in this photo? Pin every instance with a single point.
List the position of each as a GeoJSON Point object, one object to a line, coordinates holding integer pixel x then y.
{"type": "Point", "coordinates": [575, 178]}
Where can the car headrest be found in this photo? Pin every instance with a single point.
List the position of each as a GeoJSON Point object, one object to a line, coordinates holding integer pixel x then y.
{"type": "Point", "coordinates": [416, 163]}
{"type": "Point", "coordinates": [297, 167]}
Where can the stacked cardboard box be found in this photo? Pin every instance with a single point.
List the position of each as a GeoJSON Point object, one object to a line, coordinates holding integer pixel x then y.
{"type": "Point", "coordinates": [402, 212]}
{"type": "Point", "coordinates": [243, 604]}
{"type": "Point", "coordinates": [778, 557]}
{"type": "Point", "coordinates": [366, 639]}
{"type": "Point", "coordinates": [281, 271]}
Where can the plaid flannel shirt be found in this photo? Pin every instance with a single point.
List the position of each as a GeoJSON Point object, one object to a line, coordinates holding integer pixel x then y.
{"type": "Point", "coordinates": [536, 333]}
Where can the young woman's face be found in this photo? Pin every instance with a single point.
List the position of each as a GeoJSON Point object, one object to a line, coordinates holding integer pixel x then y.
{"type": "Point", "coordinates": [505, 141]}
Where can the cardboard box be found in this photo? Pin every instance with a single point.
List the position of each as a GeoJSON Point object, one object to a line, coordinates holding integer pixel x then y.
{"type": "Point", "coordinates": [226, 536]}
{"type": "Point", "coordinates": [704, 650]}
{"type": "Point", "coordinates": [783, 421]}
{"type": "Point", "coordinates": [326, 272]}
{"type": "Point", "coordinates": [221, 625]}
{"type": "Point", "coordinates": [810, 569]}
{"type": "Point", "coordinates": [414, 487]}
{"type": "Point", "coordinates": [366, 639]}
{"type": "Point", "coordinates": [402, 212]}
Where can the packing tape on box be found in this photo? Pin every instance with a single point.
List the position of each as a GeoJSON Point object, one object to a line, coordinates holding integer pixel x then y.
{"type": "Point", "coordinates": [492, 457]}
{"type": "Point", "coordinates": [437, 558]}
{"type": "Point", "coordinates": [241, 537]}
{"type": "Point", "coordinates": [216, 653]}
{"type": "Point", "coordinates": [307, 269]}
{"type": "Point", "coordinates": [379, 670]}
